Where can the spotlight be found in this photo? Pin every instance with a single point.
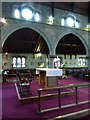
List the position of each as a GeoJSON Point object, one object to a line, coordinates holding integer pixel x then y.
{"type": "Point", "coordinates": [50, 20]}
{"type": "Point", "coordinates": [2, 21]}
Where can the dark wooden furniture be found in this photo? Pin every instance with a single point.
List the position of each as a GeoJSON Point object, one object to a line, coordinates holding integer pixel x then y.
{"type": "Point", "coordinates": [8, 73]}
{"type": "Point", "coordinates": [24, 82]}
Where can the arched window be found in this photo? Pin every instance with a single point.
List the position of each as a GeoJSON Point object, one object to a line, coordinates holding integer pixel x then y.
{"type": "Point", "coordinates": [82, 61]}
{"type": "Point", "coordinates": [14, 61]}
{"type": "Point", "coordinates": [70, 21]}
{"type": "Point", "coordinates": [19, 61]}
{"type": "Point", "coordinates": [23, 61]}
{"type": "Point", "coordinates": [17, 13]}
{"type": "Point", "coordinates": [57, 62]}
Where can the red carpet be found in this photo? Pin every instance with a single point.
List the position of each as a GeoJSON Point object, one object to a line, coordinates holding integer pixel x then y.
{"type": "Point", "coordinates": [11, 108]}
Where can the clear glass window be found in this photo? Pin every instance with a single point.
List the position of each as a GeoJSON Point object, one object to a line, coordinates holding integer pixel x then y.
{"type": "Point", "coordinates": [62, 22]}
{"type": "Point", "coordinates": [14, 61]}
{"type": "Point", "coordinates": [70, 21]}
{"type": "Point", "coordinates": [19, 61]}
{"type": "Point", "coordinates": [82, 62]}
{"type": "Point", "coordinates": [23, 62]}
{"type": "Point", "coordinates": [17, 13]}
{"type": "Point", "coordinates": [57, 62]}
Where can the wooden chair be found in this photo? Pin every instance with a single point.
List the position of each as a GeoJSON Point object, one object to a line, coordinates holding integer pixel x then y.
{"type": "Point", "coordinates": [24, 83]}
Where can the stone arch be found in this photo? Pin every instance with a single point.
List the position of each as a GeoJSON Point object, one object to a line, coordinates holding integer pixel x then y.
{"type": "Point", "coordinates": [77, 35]}
{"type": "Point", "coordinates": [14, 28]}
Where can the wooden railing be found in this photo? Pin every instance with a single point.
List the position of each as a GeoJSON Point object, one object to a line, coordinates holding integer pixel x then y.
{"type": "Point", "coordinates": [59, 96]}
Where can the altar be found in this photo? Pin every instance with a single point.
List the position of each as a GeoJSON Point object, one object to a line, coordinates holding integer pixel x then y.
{"type": "Point", "coordinates": [49, 76]}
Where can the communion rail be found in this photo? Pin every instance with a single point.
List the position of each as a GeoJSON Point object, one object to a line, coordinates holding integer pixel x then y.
{"type": "Point", "coordinates": [75, 86]}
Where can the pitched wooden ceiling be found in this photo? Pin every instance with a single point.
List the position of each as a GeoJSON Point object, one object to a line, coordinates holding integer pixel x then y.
{"type": "Point", "coordinates": [77, 7]}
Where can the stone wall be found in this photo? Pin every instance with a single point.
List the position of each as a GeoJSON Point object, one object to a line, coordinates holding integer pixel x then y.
{"type": "Point", "coordinates": [33, 62]}
{"type": "Point", "coordinates": [0, 45]}
{"type": "Point", "coordinates": [51, 33]}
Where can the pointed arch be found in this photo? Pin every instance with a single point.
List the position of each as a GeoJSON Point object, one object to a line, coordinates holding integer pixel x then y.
{"type": "Point", "coordinates": [25, 40]}
{"type": "Point", "coordinates": [80, 37]}
{"type": "Point", "coordinates": [14, 28]}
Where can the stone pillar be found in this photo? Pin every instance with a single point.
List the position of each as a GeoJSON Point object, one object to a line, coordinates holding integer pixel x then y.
{"type": "Point", "coordinates": [0, 44]}
{"type": "Point", "coordinates": [51, 58]}
{"type": "Point", "coordinates": [51, 63]}
{"type": "Point", "coordinates": [0, 9]}
{"type": "Point", "coordinates": [0, 57]}
{"type": "Point", "coordinates": [88, 62]}
{"type": "Point", "coordinates": [0, 66]}
{"type": "Point", "coordinates": [88, 56]}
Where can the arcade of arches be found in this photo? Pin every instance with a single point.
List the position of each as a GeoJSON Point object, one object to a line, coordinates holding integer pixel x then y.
{"type": "Point", "coordinates": [29, 45]}
{"type": "Point", "coordinates": [44, 53]}
{"type": "Point", "coordinates": [27, 41]}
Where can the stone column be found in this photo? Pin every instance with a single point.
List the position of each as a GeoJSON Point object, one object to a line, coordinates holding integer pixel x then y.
{"type": "Point", "coordinates": [51, 58]}
{"type": "Point", "coordinates": [0, 43]}
{"type": "Point", "coordinates": [0, 65]}
{"type": "Point", "coordinates": [88, 56]}
{"type": "Point", "coordinates": [88, 62]}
